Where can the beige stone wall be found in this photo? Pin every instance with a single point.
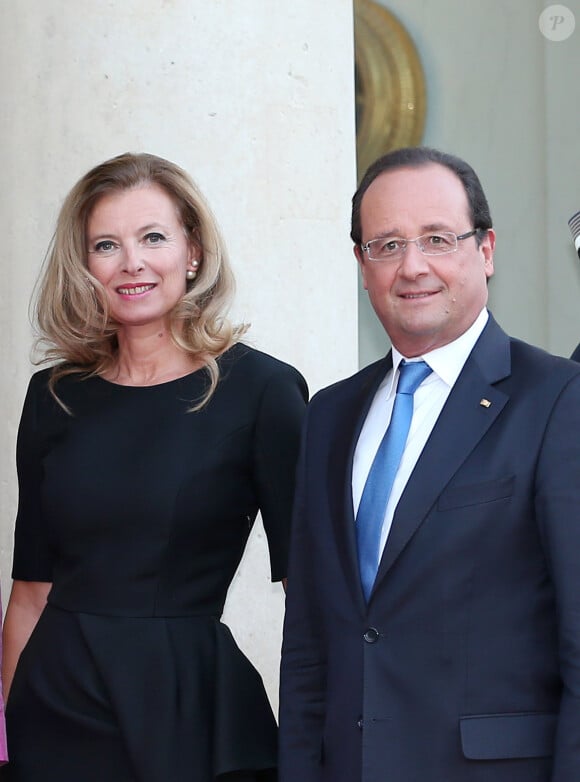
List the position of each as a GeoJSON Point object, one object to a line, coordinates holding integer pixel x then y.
{"type": "Point", "coordinates": [255, 100]}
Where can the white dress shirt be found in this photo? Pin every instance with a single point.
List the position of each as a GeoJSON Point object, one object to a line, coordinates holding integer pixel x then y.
{"type": "Point", "coordinates": [446, 363]}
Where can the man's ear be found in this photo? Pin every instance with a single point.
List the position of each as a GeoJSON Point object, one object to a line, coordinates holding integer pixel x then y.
{"type": "Point", "coordinates": [359, 255]}
{"type": "Point", "coordinates": [487, 247]}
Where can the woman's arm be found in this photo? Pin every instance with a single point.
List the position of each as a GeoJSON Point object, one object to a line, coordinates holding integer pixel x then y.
{"type": "Point", "coordinates": [276, 447]}
{"type": "Point", "coordinates": [27, 601]}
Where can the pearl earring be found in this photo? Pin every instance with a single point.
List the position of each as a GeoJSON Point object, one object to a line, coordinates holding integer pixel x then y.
{"type": "Point", "coordinates": [191, 274]}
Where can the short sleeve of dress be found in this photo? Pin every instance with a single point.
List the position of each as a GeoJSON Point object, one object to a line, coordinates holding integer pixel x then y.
{"type": "Point", "coordinates": [277, 443]}
{"type": "Point", "coordinates": [32, 552]}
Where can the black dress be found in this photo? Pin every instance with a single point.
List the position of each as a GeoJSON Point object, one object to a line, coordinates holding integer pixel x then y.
{"type": "Point", "coordinates": [138, 511]}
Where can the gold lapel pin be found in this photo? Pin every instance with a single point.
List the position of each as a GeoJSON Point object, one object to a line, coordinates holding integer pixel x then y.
{"type": "Point", "coordinates": [485, 403]}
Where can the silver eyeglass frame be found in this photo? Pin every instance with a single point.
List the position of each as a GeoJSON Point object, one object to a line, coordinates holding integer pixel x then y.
{"type": "Point", "coordinates": [417, 240]}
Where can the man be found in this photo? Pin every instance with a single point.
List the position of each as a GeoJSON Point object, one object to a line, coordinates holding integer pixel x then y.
{"type": "Point", "coordinates": [458, 659]}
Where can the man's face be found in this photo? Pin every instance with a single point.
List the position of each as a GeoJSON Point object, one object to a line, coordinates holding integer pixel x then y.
{"type": "Point", "coordinates": [423, 302]}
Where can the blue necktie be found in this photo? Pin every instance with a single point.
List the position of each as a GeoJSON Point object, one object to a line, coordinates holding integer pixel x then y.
{"type": "Point", "coordinates": [371, 511]}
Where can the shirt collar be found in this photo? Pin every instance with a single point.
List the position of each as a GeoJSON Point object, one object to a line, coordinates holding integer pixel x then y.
{"type": "Point", "coordinates": [447, 361]}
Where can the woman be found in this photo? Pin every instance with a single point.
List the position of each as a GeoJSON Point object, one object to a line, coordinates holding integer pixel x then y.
{"type": "Point", "coordinates": [143, 455]}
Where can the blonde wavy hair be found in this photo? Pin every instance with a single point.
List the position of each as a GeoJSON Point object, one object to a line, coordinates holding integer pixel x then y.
{"type": "Point", "coordinates": [70, 306]}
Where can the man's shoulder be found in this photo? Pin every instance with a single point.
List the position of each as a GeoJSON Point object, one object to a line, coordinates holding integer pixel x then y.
{"type": "Point", "coordinates": [510, 356]}
{"type": "Point", "coordinates": [530, 357]}
{"type": "Point", "coordinates": [358, 383]}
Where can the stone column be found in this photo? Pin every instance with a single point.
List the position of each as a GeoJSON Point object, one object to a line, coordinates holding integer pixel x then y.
{"type": "Point", "coordinates": [256, 101]}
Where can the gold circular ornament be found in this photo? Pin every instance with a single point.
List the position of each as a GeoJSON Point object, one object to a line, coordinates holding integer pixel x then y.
{"type": "Point", "coordinates": [390, 86]}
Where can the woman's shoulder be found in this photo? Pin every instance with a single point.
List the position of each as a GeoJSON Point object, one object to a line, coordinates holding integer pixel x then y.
{"type": "Point", "coordinates": [40, 377]}
{"type": "Point", "coordinates": [243, 357]}
{"type": "Point", "coordinates": [256, 368]}
{"type": "Point", "coordinates": [39, 383]}
{"type": "Point", "coordinates": [64, 375]}
{"type": "Point", "coordinates": [53, 389]}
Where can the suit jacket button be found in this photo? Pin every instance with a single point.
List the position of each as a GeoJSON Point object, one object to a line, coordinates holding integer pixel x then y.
{"type": "Point", "coordinates": [371, 636]}
{"type": "Point", "coordinates": [360, 723]}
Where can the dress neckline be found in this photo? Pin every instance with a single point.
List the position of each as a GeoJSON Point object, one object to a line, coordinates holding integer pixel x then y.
{"type": "Point", "coordinates": [164, 383]}
{"type": "Point", "coordinates": [150, 385]}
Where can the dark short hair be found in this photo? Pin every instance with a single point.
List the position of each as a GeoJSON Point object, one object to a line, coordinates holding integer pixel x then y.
{"type": "Point", "coordinates": [415, 157]}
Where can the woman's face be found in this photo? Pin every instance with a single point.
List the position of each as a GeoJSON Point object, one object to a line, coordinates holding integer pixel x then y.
{"type": "Point", "coordinates": [138, 251]}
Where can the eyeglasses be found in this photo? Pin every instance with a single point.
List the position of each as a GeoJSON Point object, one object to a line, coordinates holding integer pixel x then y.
{"type": "Point", "coordinates": [392, 248]}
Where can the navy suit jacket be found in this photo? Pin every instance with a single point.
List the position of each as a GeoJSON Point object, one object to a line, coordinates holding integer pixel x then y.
{"type": "Point", "coordinates": [465, 664]}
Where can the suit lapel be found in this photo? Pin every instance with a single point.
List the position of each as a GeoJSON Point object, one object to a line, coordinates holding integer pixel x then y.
{"type": "Point", "coordinates": [459, 428]}
{"type": "Point", "coordinates": [341, 454]}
